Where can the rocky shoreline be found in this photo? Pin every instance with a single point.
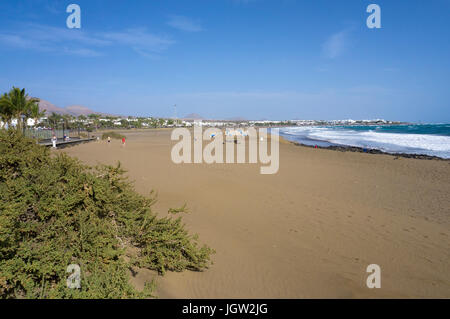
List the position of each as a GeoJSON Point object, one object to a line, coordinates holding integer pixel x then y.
{"type": "Point", "coordinates": [373, 151]}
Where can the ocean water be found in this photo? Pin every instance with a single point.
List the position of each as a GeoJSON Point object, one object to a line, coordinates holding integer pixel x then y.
{"type": "Point", "coordinates": [427, 139]}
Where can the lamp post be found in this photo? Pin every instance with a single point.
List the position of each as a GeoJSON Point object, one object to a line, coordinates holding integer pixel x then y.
{"type": "Point", "coordinates": [63, 129]}
{"type": "Point", "coordinates": [22, 116]}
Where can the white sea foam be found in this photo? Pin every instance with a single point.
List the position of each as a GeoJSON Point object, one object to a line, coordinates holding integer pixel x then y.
{"type": "Point", "coordinates": [388, 142]}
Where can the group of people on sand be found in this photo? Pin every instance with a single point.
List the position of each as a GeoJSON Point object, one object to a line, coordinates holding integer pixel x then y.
{"type": "Point", "coordinates": [54, 139]}
{"type": "Point", "coordinates": [123, 140]}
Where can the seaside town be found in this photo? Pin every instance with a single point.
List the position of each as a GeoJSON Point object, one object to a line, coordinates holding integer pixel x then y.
{"type": "Point", "coordinates": [99, 121]}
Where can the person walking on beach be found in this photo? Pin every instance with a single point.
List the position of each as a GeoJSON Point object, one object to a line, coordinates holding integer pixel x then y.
{"type": "Point", "coordinates": [123, 141]}
{"type": "Point", "coordinates": [109, 139]}
{"type": "Point", "coordinates": [54, 139]}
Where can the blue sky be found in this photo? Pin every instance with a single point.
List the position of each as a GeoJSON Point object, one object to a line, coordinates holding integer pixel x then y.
{"type": "Point", "coordinates": [280, 59]}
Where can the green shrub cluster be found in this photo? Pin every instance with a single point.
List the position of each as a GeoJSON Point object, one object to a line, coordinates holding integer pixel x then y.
{"type": "Point", "coordinates": [113, 135]}
{"type": "Point", "coordinates": [55, 211]}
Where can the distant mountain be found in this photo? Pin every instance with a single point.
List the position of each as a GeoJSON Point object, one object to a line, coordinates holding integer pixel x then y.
{"type": "Point", "coordinates": [50, 108]}
{"type": "Point", "coordinates": [78, 110]}
{"type": "Point", "coordinates": [75, 110]}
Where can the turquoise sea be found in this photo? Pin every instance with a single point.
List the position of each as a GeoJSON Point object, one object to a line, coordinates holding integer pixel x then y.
{"type": "Point", "coordinates": [427, 139]}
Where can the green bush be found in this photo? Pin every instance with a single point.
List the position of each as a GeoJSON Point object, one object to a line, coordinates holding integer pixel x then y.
{"type": "Point", "coordinates": [55, 211]}
{"type": "Point", "coordinates": [114, 135]}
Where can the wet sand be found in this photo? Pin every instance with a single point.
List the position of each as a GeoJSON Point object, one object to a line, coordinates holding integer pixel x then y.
{"type": "Point", "coordinates": [308, 231]}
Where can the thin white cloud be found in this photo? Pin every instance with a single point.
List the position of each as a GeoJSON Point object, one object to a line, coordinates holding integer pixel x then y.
{"type": "Point", "coordinates": [147, 54]}
{"type": "Point", "coordinates": [81, 43]}
{"type": "Point", "coordinates": [335, 45]}
{"type": "Point", "coordinates": [138, 38]}
{"type": "Point", "coordinates": [17, 41]}
{"type": "Point", "coordinates": [83, 52]}
{"type": "Point", "coordinates": [184, 24]}
{"type": "Point", "coordinates": [51, 39]}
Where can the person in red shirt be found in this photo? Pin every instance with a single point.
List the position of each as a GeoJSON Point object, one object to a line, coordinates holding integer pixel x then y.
{"type": "Point", "coordinates": [123, 141]}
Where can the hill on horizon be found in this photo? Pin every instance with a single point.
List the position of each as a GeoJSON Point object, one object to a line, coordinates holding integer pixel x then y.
{"type": "Point", "coordinates": [75, 110]}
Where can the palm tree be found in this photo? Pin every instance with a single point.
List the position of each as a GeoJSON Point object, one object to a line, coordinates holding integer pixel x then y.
{"type": "Point", "coordinates": [16, 104]}
{"type": "Point", "coordinates": [95, 118]}
{"type": "Point", "coordinates": [6, 113]}
{"type": "Point", "coordinates": [54, 119]}
{"type": "Point", "coordinates": [67, 119]}
{"type": "Point", "coordinates": [35, 113]}
{"type": "Point", "coordinates": [81, 121]}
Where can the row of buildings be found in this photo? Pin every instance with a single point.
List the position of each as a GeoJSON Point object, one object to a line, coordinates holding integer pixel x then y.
{"type": "Point", "coordinates": [148, 122]}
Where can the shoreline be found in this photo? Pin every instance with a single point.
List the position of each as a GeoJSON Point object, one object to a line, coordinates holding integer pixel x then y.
{"type": "Point", "coordinates": [342, 148]}
{"type": "Point", "coordinates": [334, 147]}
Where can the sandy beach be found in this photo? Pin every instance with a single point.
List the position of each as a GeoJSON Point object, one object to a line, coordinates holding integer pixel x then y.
{"type": "Point", "coordinates": [308, 231]}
